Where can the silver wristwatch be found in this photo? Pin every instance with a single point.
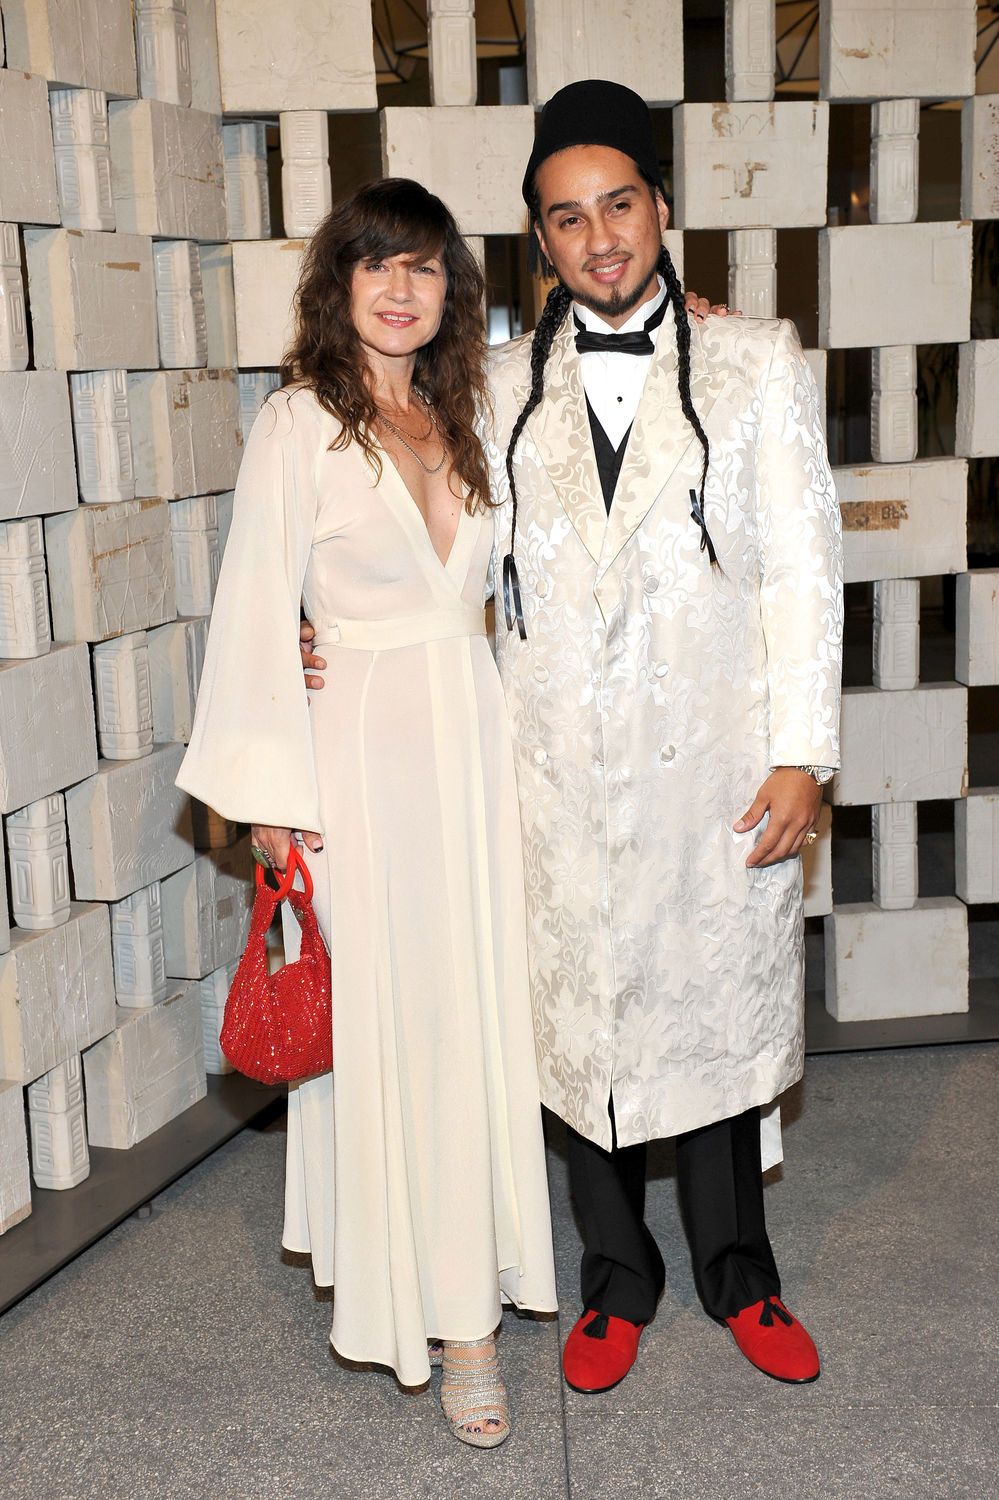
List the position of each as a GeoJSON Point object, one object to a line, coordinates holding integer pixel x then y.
{"type": "Point", "coordinates": [821, 774]}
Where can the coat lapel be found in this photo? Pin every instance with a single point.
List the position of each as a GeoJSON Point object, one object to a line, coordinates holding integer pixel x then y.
{"type": "Point", "coordinates": [661, 439]}
{"type": "Point", "coordinates": [560, 430]}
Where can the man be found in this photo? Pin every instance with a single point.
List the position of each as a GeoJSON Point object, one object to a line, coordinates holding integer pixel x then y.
{"type": "Point", "coordinates": [671, 578]}
{"type": "Point", "coordinates": [672, 673]}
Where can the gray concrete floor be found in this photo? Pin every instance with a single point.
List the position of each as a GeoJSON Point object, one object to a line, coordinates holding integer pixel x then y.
{"type": "Point", "coordinates": [182, 1357]}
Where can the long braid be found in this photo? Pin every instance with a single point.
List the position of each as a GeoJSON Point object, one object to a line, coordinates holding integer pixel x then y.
{"type": "Point", "coordinates": [682, 326]}
{"type": "Point", "coordinates": [556, 306]}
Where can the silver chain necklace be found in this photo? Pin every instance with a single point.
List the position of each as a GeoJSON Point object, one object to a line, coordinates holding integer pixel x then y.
{"type": "Point", "coordinates": [402, 438]}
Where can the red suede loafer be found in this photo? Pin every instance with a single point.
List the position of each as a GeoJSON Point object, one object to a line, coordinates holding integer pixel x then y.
{"type": "Point", "coordinates": [599, 1352]}
{"type": "Point", "coordinates": [775, 1342]}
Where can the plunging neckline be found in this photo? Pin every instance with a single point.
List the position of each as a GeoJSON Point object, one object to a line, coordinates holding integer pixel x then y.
{"type": "Point", "coordinates": [418, 518]}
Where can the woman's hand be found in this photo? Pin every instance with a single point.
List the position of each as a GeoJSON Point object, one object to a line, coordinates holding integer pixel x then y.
{"type": "Point", "coordinates": [306, 635]}
{"type": "Point", "coordinates": [276, 843]}
{"type": "Point", "coordinates": [699, 307]}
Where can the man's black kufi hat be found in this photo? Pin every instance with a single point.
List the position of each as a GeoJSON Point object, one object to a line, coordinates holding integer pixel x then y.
{"type": "Point", "coordinates": [596, 113]}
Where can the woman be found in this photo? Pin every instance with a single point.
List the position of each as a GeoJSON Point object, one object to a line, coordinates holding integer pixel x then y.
{"type": "Point", "coordinates": [416, 1174]}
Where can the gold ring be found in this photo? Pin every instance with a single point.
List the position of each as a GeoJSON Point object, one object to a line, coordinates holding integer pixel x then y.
{"type": "Point", "coordinates": [811, 837]}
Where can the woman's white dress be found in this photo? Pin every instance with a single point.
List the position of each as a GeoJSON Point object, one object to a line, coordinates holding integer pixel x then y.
{"type": "Point", "coordinates": [416, 1174]}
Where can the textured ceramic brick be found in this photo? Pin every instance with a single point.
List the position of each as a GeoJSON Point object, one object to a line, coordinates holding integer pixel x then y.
{"type": "Point", "coordinates": [56, 993]}
{"type": "Point", "coordinates": [893, 404]}
{"type": "Point", "coordinates": [452, 55]}
{"type": "Point", "coordinates": [896, 633]}
{"type": "Point", "coordinates": [24, 599]}
{"type": "Point", "coordinates": [211, 830]}
{"type": "Point", "coordinates": [908, 746]}
{"type": "Point", "coordinates": [741, 166]}
{"type": "Point", "coordinates": [39, 864]}
{"type": "Point", "coordinates": [220, 306]}
{"type": "Point", "coordinates": [37, 469]}
{"type": "Point", "coordinates": [162, 50]}
{"type": "Point", "coordinates": [752, 271]}
{"type": "Point", "coordinates": [140, 976]}
{"type": "Point", "coordinates": [47, 736]}
{"type": "Point", "coordinates": [894, 284]}
{"type": "Point", "coordinates": [176, 657]}
{"type": "Point", "coordinates": [977, 627]}
{"type": "Point", "coordinates": [980, 157]}
{"type": "Point", "coordinates": [568, 40]}
{"type": "Point", "coordinates": [244, 147]}
{"type": "Point", "coordinates": [57, 1124]}
{"type": "Point", "coordinates": [205, 91]}
{"type": "Point", "coordinates": [27, 161]}
{"type": "Point", "coordinates": [978, 399]}
{"type": "Point", "coordinates": [180, 304]}
{"type": "Point", "coordinates": [894, 855]}
{"type": "Point", "coordinates": [128, 825]}
{"type": "Point", "coordinates": [885, 964]}
{"type": "Point", "coordinates": [110, 569]}
{"type": "Point", "coordinates": [903, 520]}
{"type": "Point", "coordinates": [254, 388]}
{"type": "Point", "coordinates": [206, 911]}
{"type": "Point", "coordinates": [93, 299]}
{"type": "Point", "coordinates": [84, 44]}
{"type": "Point", "coordinates": [214, 993]}
{"type": "Point", "coordinates": [306, 186]}
{"type": "Point", "coordinates": [123, 696]}
{"type": "Point", "coordinates": [59, 1089]}
{"type": "Point", "coordinates": [103, 432]}
{"type": "Point", "coordinates": [474, 157]}
{"type": "Point", "coordinates": [187, 437]}
{"type": "Point", "coordinates": [166, 170]}
{"type": "Point", "coordinates": [894, 161]}
{"type": "Point", "coordinates": [82, 158]}
{"type": "Point", "coordinates": [816, 868]}
{"type": "Point", "coordinates": [976, 845]}
{"type": "Point", "coordinates": [223, 510]}
{"type": "Point", "coordinates": [15, 1176]}
{"type": "Point", "coordinates": [265, 274]}
{"type": "Point", "coordinates": [13, 312]}
{"type": "Point", "coordinates": [300, 61]}
{"type": "Point", "coordinates": [750, 49]}
{"type": "Point", "coordinates": [885, 49]}
{"type": "Point", "coordinates": [195, 534]}
{"type": "Point", "coordinates": [147, 1072]}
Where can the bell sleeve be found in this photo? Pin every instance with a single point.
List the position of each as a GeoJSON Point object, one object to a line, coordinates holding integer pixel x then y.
{"type": "Point", "coordinates": [250, 755]}
{"type": "Point", "coordinates": [801, 564]}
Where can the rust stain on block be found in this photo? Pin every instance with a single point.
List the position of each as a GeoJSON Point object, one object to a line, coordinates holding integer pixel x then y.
{"type": "Point", "coordinates": [122, 265]}
{"type": "Point", "coordinates": [873, 515]}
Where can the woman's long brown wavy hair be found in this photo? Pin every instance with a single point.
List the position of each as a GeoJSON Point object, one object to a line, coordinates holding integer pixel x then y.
{"type": "Point", "coordinates": [395, 216]}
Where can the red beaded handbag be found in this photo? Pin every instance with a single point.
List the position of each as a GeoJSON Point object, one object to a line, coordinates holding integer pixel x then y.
{"type": "Point", "coordinates": [279, 1027]}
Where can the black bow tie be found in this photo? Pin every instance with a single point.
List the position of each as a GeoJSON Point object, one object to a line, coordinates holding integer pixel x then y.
{"type": "Point", "coordinates": [637, 342]}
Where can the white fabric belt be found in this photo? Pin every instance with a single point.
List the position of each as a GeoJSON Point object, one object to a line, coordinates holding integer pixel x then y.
{"type": "Point", "coordinates": [406, 630]}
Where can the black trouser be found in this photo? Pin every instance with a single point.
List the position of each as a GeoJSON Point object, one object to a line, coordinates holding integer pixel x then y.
{"type": "Point", "coordinates": [720, 1183]}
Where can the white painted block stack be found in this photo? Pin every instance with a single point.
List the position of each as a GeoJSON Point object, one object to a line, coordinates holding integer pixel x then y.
{"type": "Point", "coordinates": [120, 423]}
{"type": "Point", "coordinates": [134, 188]}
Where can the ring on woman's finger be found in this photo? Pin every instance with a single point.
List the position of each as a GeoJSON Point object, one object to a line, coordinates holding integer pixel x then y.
{"type": "Point", "coordinates": [811, 837]}
{"type": "Point", "coordinates": [262, 857]}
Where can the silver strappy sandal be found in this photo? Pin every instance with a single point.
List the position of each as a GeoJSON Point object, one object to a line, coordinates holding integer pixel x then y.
{"type": "Point", "coordinates": [472, 1394]}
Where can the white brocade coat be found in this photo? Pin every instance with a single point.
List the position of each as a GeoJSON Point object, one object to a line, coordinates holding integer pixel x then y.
{"type": "Point", "coordinates": [649, 702]}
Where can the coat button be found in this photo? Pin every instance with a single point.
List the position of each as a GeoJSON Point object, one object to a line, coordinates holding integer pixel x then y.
{"type": "Point", "coordinates": [661, 668]}
{"type": "Point", "coordinates": [541, 587]}
{"type": "Point", "coordinates": [650, 584]}
{"type": "Point", "coordinates": [541, 674]}
{"type": "Point", "coordinates": [667, 753]}
{"type": "Point", "coordinates": [540, 757]}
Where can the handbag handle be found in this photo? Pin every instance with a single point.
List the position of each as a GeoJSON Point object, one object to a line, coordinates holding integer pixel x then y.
{"type": "Point", "coordinates": [286, 881]}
